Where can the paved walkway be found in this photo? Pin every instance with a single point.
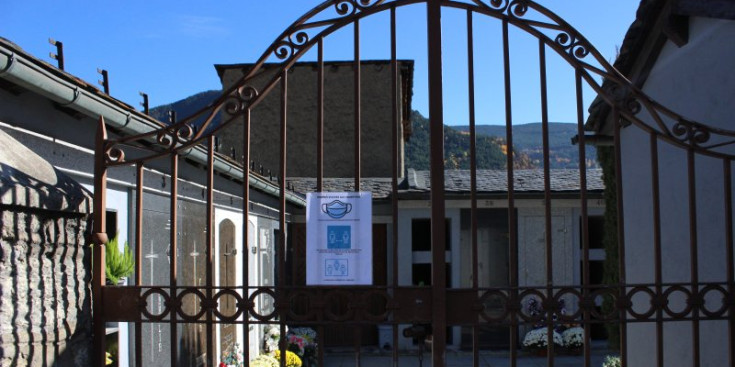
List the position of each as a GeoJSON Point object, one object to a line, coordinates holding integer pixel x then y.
{"type": "Point", "coordinates": [461, 359]}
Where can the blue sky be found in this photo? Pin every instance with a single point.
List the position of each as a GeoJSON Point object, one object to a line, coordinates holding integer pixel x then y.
{"type": "Point", "coordinates": [167, 49]}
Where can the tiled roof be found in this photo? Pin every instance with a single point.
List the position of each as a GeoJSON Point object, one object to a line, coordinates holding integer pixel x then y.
{"type": "Point", "coordinates": [495, 181]}
{"type": "Point", "coordinates": [380, 187]}
{"type": "Point", "coordinates": [458, 181]}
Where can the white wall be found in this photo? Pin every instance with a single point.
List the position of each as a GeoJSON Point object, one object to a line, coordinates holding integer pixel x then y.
{"type": "Point", "coordinates": [405, 218]}
{"type": "Point", "coordinates": [696, 81]}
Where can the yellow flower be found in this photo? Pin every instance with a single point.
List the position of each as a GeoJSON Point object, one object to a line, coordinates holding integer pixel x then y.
{"type": "Point", "coordinates": [292, 360]}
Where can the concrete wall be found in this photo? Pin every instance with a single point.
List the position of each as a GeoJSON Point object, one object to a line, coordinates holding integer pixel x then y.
{"type": "Point", "coordinates": [697, 82]}
{"type": "Point", "coordinates": [45, 298]}
{"type": "Point", "coordinates": [339, 117]}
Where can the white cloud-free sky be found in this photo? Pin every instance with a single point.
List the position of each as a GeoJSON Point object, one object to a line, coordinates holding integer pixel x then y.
{"type": "Point", "coordinates": [167, 49]}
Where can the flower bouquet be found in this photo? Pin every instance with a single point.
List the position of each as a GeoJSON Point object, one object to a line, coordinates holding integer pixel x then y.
{"type": "Point", "coordinates": [292, 360]}
{"type": "Point", "coordinates": [573, 338]}
{"type": "Point", "coordinates": [302, 341]}
{"type": "Point", "coordinates": [538, 339]}
{"type": "Point", "coordinates": [271, 337]}
{"type": "Point", "coordinates": [233, 357]}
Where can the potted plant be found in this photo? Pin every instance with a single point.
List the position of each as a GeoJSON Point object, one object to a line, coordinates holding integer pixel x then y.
{"type": "Point", "coordinates": [536, 340]}
{"type": "Point", "coordinates": [611, 361]}
{"type": "Point", "coordinates": [118, 265]}
{"type": "Point", "coordinates": [573, 339]}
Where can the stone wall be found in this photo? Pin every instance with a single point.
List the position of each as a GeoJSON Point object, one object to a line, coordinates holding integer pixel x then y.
{"type": "Point", "coordinates": [45, 298]}
{"type": "Point", "coordinates": [376, 129]}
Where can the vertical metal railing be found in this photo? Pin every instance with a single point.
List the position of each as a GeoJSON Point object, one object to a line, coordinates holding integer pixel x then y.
{"type": "Point", "coordinates": [512, 235]}
{"type": "Point", "coordinates": [357, 330]}
{"type": "Point", "coordinates": [621, 294]}
{"type": "Point", "coordinates": [209, 228]}
{"type": "Point", "coordinates": [547, 207]}
{"type": "Point", "coordinates": [99, 238]}
{"type": "Point", "coordinates": [693, 255]}
{"type": "Point", "coordinates": [584, 215]}
{"type": "Point", "coordinates": [658, 269]}
{"type": "Point", "coordinates": [320, 162]}
{"type": "Point", "coordinates": [394, 173]}
{"type": "Point", "coordinates": [356, 105]}
{"type": "Point", "coordinates": [282, 251]}
{"type": "Point", "coordinates": [730, 270]}
{"type": "Point", "coordinates": [139, 256]}
{"type": "Point", "coordinates": [246, 234]}
{"type": "Point", "coordinates": [473, 179]}
{"type": "Point", "coordinates": [436, 119]}
{"type": "Point", "coordinates": [173, 252]}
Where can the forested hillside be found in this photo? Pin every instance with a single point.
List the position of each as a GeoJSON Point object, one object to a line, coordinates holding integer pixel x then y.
{"type": "Point", "coordinates": [527, 139]}
{"type": "Point", "coordinates": [490, 150]}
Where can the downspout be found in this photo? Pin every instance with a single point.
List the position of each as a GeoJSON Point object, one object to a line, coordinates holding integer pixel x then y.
{"type": "Point", "coordinates": [30, 74]}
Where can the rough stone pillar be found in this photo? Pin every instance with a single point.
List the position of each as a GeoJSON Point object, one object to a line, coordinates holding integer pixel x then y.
{"type": "Point", "coordinates": [45, 297]}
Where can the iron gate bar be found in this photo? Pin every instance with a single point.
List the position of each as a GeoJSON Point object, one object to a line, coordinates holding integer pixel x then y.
{"type": "Point", "coordinates": [655, 187]}
{"type": "Point", "coordinates": [436, 137]}
{"type": "Point", "coordinates": [693, 256]}
{"type": "Point", "coordinates": [547, 207]}
{"type": "Point", "coordinates": [210, 245]}
{"type": "Point", "coordinates": [173, 252]}
{"type": "Point", "coordinates": [246, 233]}
{"type": "Point", "coordinates": [621, 306]}
{"type": "Point", "coordinates": [511, 197]}
{"type": "Point", "coordinates": [139, 256]}
{"type": "Point", "coordinates": [473, 177]}
{"type": "Point", "coordinates": [320, 160]}
{"type": "Point", "coordinates": [727, 169]}
{"type": "Point", "coordinates": [99, 239]}
{"type": "Point", "coordinates": [582, 152]}
{"type": "Point", "coordinates": [394, 176]}
{"type": "Point", "coordinates": [281, 305]}
{"type": "Point", "coordinates": [357, 331]}
{"type": "Point", "coordinates": [356, 105]}
{"type": "Point", "coordinates": [320, 119]}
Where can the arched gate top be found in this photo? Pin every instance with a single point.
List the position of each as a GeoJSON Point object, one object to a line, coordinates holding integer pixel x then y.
{"type": "Point", "coordinates": [332, 15]}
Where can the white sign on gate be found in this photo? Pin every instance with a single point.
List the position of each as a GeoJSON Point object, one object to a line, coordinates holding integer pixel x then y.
{"type": "Point", "coordinates": [339, 238]}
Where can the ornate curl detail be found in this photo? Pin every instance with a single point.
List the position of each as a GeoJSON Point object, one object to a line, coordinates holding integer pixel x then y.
{"type": "Point", "coordinates": [633, 106]}
{"type": "Point", "coordinates": [572, 45]}
{"type": "Point", "coordinates": [298, 38]}
{"type": "Point", "coordinates": [518, 8]}
{"type": "Point", "coordinates": [288, 46]}
{"type": "Point", "coordinates": [499, 5]}
{"type": "Point", "coordinates": [284, 50]}
{"type": "Point", "coordinates": [688, 131]}
{"type": "Point", "coordinates": [164, 138]}
{"type": "Point", "coordinates": [184, 132]}
{"type": "Point", "coordinates": [238, 101]}
{"type": "Point", "coordinates": [350, 7]}
{"type": "Point", "coordinates": [247, 93]}
{"type": "Point", "coordinates": [115, 155]}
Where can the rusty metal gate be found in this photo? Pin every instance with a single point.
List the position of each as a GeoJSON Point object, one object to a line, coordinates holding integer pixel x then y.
{"type": "Point", "coordinates": [213, 301]}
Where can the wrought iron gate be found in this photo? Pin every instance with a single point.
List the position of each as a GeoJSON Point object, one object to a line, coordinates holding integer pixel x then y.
{"type": "Point", "coordinates": [441, 305]}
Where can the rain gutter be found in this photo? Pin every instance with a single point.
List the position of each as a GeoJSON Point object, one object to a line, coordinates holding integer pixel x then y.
{"type": "Point", "coordinates": [24, 70]}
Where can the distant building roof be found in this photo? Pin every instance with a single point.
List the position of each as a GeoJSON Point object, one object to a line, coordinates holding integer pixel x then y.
{"type": "Point", "coordinates": [496, 181]}
{"type": "Point", "coordinates": [380, 187]}
{"type": "Point", "coordinates": [458, 182]}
